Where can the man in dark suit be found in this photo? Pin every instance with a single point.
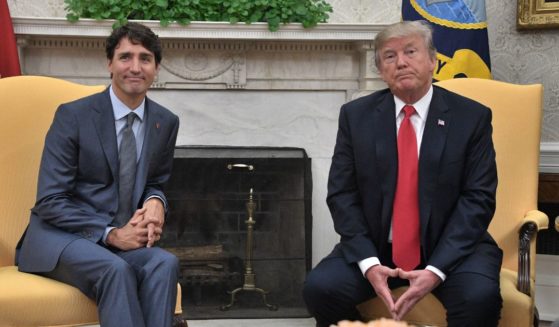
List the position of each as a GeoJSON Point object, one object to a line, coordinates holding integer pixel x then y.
{"type": "Point", "coordinates": [412, 192]}
{"type": "Point", "coordinates": [86, 229]}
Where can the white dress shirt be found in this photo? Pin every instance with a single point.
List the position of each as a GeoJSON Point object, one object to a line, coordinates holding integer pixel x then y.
{"type": "Point", "coordinates": [120, 111]}
{"type": "Point", "coordinates": [418, 122]}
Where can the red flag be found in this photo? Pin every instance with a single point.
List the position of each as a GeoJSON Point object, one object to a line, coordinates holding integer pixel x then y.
{"type": "Point", "coordinates": [9, 60]}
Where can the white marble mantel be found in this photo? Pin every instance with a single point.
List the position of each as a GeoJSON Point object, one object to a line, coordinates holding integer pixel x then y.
{"type": "Point", "coordinates": [205, 55]}
{"type": "Point", "coordinates": [238, 85]}
{"type": "Point", "coordinates": [201, 30]}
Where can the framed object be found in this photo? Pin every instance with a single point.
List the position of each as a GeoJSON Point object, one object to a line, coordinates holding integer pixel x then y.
{"type": "Point", "coordinates": [538, 14]}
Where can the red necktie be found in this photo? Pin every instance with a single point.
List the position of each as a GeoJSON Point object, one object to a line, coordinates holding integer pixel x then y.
{"type": "Point", "coordinates": [405, 216]}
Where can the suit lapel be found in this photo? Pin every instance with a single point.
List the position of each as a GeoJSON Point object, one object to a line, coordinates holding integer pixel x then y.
{"type": "Point", "coordinates": [386, 155]}
{"type": "Point", "coordinates": [104, 121]}
{"type": "Point", "coordinates": [432, 147]}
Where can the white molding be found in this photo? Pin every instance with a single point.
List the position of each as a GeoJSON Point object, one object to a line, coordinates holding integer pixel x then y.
{"type": "Point", "coordinates": [200, 30]}
{"type": "Point", "coordinates": [549, 157]}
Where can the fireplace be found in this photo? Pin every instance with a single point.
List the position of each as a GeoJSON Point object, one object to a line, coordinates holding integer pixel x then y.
{"type": "Point", "coordinates": [207, 225]}
{"type": "Point", "coordinates": [252, 87]}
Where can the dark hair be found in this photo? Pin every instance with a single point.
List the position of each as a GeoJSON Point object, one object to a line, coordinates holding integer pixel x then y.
{"type": "Point", "coordinates": [137, 34]}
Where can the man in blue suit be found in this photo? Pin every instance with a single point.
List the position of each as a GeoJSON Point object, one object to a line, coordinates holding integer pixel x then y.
{"type": "Point", "coordinates": [439, 197]}
{"type": "Point", "coordinates": [80, 233]}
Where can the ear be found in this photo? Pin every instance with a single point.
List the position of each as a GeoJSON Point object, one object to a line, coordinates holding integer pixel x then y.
{"type": "Point", "coordinates": [432, 64]}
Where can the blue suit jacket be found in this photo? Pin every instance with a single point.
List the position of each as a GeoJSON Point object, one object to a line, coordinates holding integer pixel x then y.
{"type": "Point", "coordinates": [457, 182]}
{"type": "Point", "coordinates": [77, 193]}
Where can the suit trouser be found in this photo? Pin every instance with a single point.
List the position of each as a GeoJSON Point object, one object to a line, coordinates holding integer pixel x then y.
{"type": "Point", "coordinates": [131, 288]}
{"type": "Point", "coordinates": [334, 288]}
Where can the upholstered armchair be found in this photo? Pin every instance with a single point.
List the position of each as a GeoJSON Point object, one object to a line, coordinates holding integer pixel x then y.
{"type": "Point", "coordinates": [517, 114]}
{"type": "Point", "coordinates": [27, 107]}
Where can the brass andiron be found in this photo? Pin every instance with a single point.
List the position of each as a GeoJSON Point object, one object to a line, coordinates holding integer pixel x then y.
{"type": "Point", "coordinates": [249, 276]}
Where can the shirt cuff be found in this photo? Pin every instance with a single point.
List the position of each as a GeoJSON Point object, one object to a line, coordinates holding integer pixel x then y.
{"type": "Point", "coordinates": [160, 198]}
{"type": "Point", "coordinates": [367, 263]}
{"type": "Point", "coordinates": [437, 272]}
{"type": "Point", "coordinates": [107, 231]}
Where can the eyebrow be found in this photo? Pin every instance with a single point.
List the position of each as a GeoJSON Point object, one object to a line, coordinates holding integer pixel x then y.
{"type": "Point", "coordinates": [141, 54]}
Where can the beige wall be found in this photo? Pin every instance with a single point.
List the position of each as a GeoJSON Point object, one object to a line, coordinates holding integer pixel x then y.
{"type": "Point", "coordinates": [517, 57]}
{"type": "Point", "coordinates": [524, 58]}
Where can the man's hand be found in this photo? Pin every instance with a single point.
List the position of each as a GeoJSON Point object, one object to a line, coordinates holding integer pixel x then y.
{"type": "Point", "coordinates": [378, 277]}
{"type": "Point", "coordinates": [154, 212]}
{"type": "Point", "coordinates": [422, 282]}
{"type": "Point", "coordinates": [134, 234]}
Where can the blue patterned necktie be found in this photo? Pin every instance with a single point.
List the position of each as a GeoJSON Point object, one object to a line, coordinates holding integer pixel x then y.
{"type": "Point", "coordinates": [126, 172]}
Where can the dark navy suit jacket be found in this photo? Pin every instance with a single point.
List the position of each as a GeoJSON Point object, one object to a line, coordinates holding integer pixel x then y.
{"type": "Point", "coordinates": [77, 194]}
{"type": "Point", "coordinates": [457, 182]}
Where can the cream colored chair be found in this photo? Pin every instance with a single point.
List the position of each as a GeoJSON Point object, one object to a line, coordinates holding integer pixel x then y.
{"type": "Point", "coordinates": [27, 107]}
{"type": "Point", "coordinates": [517, 114]}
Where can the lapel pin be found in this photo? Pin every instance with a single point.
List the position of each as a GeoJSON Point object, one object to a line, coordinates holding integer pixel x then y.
{"type": "Point", "coordinates": [157, 125]}
{"type": "Point", "coordinates": [440, 122]}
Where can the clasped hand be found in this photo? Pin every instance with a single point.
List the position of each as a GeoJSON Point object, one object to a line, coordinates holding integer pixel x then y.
{"type": "Point", "coordinates": [421, 282]}
{"type": "Point", "coordinates": [142, 230]}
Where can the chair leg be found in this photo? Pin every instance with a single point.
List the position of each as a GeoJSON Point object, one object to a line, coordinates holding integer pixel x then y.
{"type": "Point", "coordinates": [179, 321]}
{"type": "Point", "coordinates": [536, 317]}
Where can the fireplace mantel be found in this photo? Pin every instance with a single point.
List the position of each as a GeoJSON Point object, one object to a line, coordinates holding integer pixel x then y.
{"type": "Point", "coordinates": [212, 55]}
{"type": "Point", "coordinates": [200, 30]}
{"type": "Point", "coordinates": [232, 85]}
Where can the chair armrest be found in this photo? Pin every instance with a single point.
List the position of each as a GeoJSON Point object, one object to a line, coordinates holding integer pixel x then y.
{"type": "Point", "coordinates": [533, 222]}
{"type": "Point", "coordinates": [538, 218]}
{"type": "Point", "coordinates": [557, 223]}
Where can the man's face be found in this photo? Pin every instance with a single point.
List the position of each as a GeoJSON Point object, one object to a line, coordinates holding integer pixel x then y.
{"type": "Point", "coordinates": [406, 67]}
{"type": "Point", "coordinates": [133, 69]}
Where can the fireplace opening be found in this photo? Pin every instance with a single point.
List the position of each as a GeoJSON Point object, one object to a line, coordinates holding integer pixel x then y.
{"type": "Point", "coordinates": [213, 193]}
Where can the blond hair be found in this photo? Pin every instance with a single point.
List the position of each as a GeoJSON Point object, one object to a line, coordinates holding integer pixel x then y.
{"type": "Point", "coordinates": [404, 29]}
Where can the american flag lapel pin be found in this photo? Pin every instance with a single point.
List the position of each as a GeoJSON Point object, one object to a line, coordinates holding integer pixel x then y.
{"type": "Point", "coordinates": [440, 122]}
